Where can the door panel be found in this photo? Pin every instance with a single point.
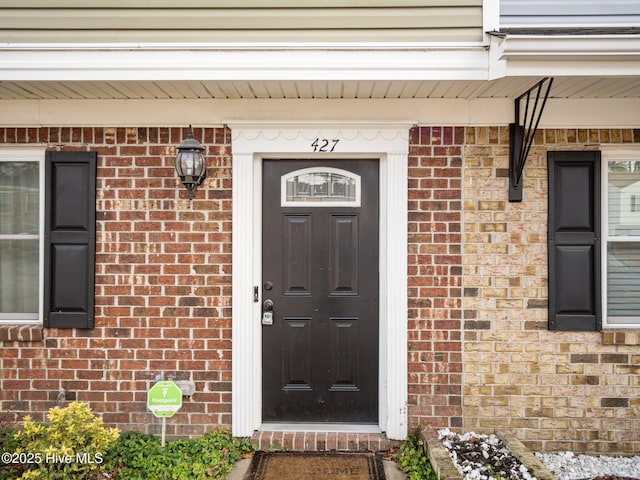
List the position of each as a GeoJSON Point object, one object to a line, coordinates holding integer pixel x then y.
{"type": "Point", "coordinates": [320, 269]}
{"type": "Point", "coordinates": [344, 255]}
{"type": "Point", "coordinates": [345, 355]}
{"type": "Point", "coordinates": [296, 354]}
{"type": "Point", "coordinates": [296, 250]}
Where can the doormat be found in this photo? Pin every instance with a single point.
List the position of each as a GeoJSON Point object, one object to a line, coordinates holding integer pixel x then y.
{"type": "Point", "coordinates": [316, 466]}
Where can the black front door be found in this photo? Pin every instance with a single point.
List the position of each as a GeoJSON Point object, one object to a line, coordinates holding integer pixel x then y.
{"type": "Point", "coordinates": [320, 271]}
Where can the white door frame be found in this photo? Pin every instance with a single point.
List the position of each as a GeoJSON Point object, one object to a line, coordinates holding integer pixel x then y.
{"type": "Point", "coordinates": [250, 144]}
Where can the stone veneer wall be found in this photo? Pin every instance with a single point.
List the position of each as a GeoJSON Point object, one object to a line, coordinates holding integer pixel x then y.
{"type": "Point", "coordinates": [556, 391]}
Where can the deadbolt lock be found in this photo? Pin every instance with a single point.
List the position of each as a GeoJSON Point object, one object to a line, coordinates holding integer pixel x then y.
{"type": "Point", "coordinates": [267, 312]}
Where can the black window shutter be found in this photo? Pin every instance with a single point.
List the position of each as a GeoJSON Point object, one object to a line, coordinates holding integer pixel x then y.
{"type": "Point", "coordinates": [574, 241]}
{"type": "Point", "coordinates": [70, 239]}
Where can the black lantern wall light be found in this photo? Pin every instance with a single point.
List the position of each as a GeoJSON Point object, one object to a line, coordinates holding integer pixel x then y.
{"type": "Point", "coordinates": [190, 164]}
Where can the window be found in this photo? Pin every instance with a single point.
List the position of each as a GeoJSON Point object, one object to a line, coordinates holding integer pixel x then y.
{"type": "Point", "coordinates": [320, 187]}
{"type": "Point", "coordinates": [621, 237]}
{"type": "Point", "coordinates": [21, 227]}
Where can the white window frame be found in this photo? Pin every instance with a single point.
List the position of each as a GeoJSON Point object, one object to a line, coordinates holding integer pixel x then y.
{"type": "Point", "coordinates": [613, 154]}
{"type": "Point", "coordinates": [29, 154]}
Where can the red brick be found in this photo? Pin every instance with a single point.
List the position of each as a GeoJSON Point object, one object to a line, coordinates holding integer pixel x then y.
{"type": "Point", "coordinates": [155, 253]}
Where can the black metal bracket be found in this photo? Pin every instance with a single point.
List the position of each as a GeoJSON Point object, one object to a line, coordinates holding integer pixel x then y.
{"type": "Point", "coordinates": [522, 132]}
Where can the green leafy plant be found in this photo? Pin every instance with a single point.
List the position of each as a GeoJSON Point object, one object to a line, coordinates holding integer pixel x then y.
{"type": "Point", "coordinates": [491, 473]}
{"type": "Point", "coordinates": [413, 460]}
{"type": "Point", "coordinates": [132, 451]}
{"type": "Point", "coordinates": [72, 446]}
{"type": "Point", "coordinates": [75, 444]}
{"type": "Point", "coordinates": [137, 456]}
{"type": "Point", "coordinates": [8, 444]}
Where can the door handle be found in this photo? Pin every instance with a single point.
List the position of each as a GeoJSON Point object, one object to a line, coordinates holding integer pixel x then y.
{"type": "Point", "coordinates": [267, 306]}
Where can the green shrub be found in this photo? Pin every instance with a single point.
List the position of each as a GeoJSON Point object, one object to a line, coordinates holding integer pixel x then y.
{"type": "Point", "coordinates": [132, 451]}
{"type": "Point", "coordinates": [8, 444]}
{"type": "Point", "coordinates": [72, 446]}
{"type": "Point", "coordinates": [413, 460]}
{"type": "Point", "coordinates": [137, 456]}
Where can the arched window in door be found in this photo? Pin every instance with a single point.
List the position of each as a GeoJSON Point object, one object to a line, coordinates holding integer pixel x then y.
{"type": "Point", "coordinates": [321, 186]}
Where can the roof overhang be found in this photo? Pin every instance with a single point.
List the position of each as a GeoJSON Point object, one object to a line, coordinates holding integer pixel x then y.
{"type": "Point", "coordinates": [159, 62]}
{"type": "Point", "coordinates": [564, 55]}
{"type": "Point", "coordinates": [585, 67]}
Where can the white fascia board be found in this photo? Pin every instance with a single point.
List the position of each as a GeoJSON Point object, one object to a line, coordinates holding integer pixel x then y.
{"type": "Point", "coordinates": [180, 112]}
{"type": "Point", "coordinates": [607, 47]}
{"type": "Point", "coordinates": [197, 62]}
{"type": "Point", "coordinates": [565, 55]}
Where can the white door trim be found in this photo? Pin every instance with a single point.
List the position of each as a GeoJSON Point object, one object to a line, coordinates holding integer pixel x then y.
{"type": "Point", "coordinates": [252, 143]}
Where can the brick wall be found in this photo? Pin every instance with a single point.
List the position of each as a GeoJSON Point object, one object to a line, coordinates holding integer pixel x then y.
{"type": "Point", "coordinates": [556, 391]}
{"type": "Point", "coordinates": [435, 277]}
{"type": "Point", "coordinates": [163, 288]}
{"type": "Point", "coordinates": [479, 354]}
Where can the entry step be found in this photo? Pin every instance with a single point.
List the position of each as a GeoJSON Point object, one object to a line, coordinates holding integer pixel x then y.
{"type": "Point", "coordinates": [322, 441]}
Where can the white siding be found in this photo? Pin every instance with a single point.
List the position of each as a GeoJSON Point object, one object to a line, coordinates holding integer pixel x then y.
{"type": "Point", "coordinates": [587, 13]}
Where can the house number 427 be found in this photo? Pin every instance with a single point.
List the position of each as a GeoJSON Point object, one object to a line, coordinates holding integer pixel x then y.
{"type": "Point", "coordinates": [324, 144]}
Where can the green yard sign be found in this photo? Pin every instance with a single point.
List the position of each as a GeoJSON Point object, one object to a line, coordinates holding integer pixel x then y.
{"type": "Point", "coordinates": [164, 399]}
